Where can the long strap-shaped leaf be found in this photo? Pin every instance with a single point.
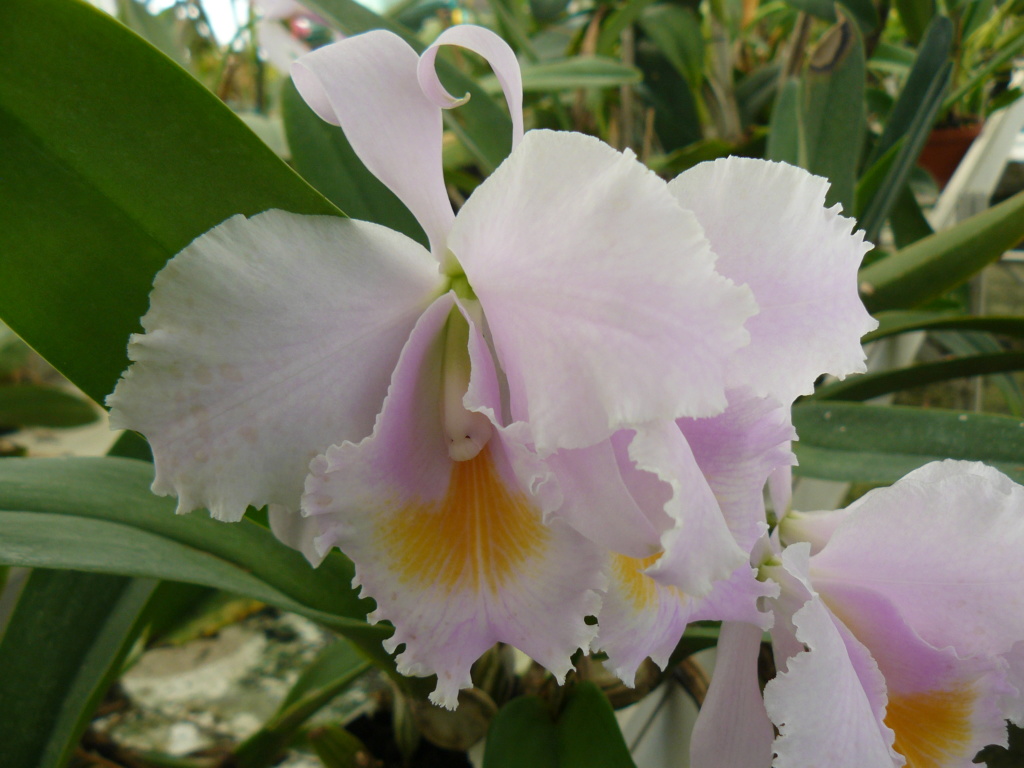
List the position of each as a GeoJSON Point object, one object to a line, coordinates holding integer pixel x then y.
{"type": "Point", "coordinates": [938, 263]}
{"type": "Point", "coordinates": [854, 442]}
{"type": "Point", "coordinates": [61, 651]}
{"type": "Point", "coordinates": [113, 160]}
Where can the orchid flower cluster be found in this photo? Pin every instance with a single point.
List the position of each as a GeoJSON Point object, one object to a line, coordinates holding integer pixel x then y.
{"type": "Point", "coordinates": [569, 406]}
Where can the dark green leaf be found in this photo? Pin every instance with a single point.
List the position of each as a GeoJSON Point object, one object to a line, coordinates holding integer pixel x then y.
{"type": "Point", "coordinates": [936, 264]}
{"type": "Point", "coordinates": [915, 15]}
{"type": "Point", "coordinates": [862, 10]}
{"type": "Point", "coordinates": [676, 113]}
{"type": "Point", "coordinates": [884, 382]}
{"type": "Point", "coordinates": [612, 28]}
{"type": "Point", "coordinates": [907, 129]}
{"type": "Point", "coordinates": [854, 442]}
{"type": "Point", "coordinates": [322, 154]}
{"type": "Point", "coordinates": [896, 321]}
{"type": "Point", "coordinates": [34, 405]}
{"type": "Point", "coordinates": [784, 137]}
{"type": "Point", "coordinates": [522, 735]}
{"type": "Point", "coordinates": [907, 219]}
{"type": "Point", "coordinates": [676, 32]}
{"type": "Point", "coordinates": [113, 160]}
{"type": "Point", "coordinates": [918, 91]}
{"type": "Point", "coordinates": [102, 517]}
{"type": "Point", "coordinates": [337, 748]}
{"type": "Point", "coordinates": [62, 649]}
{"type": "Point", "coordinates": [832, 112]}
{"type": "Point", "coordinates": [588, 734]}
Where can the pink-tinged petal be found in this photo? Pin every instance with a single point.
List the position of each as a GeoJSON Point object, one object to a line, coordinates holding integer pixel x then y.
{"type": "Point", "coordinates": [699, 549]}
{"type": "Point", "coordinates": [367, 84]}
{"type": "Point", "coordinates": [455, 553]}
{"type": "Point", "coordinates": [770, 228]}
{"type": "Point", "coordinates": [828, 699]}
{"type": "Point", "coordinates": [1013, 700]}
{"type": "Point", "coordinates": [599, 292]}
{"type": "Point", "coordinates": [297, 531]}
{"type": "Point", "coordinates": [733, 728]}
{"type": "Point", "coordinates": [942, 708]}
{"type": "Point", "coordinates": [641, 618]}
{"type": "Point", "coordinates": [597, 485]}
{"type": "Point", "coordinates": [267, 340]}
{"type": "Point", "coordinates": [498, 54]}
{"type": "Point", "coordinates": [816, 528]}
{"type": "Point", "coordinates": [944, 546]}
{"type": "Point", "coordinates": [737, 451]}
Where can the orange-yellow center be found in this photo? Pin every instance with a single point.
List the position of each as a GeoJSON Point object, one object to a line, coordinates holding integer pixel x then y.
{"type": "Point", "coordinates": [481, 534]}
{"type": "Point", "coordinates": [933, 729]}
{"type": "Point", "coordinates": [638, 589]}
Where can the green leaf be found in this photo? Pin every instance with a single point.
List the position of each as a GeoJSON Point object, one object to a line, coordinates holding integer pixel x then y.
{"type": "Point", "coordinates": [587, 732]}
{"type": "Point", "coordinates": [522, 735]}
{"type": "Point", "coordinates": [62, 649]}
{"type": "Point", "coordinates": [102, 517]}
{"type": "Point", "coordinates": [918, 91]}
{"type": "Point", "coordinates": [879, 444]}
{"type": "Point", "coordinates": [832, 111]}
{"type": "Point", "coordinates": [322, 154]}
{"type": "Point", "coordinates": [907, 130]}
{"type": "Point", "coordinates": [585, 735]}
{"type": "Point", "coordinates": [884, 382]}
{"type": "Point", "coordinates": [104, 180]}
{"type": "Point", "coordinates": [34, 405]}
{"type": "Point", "coordinates": [902, 321]}
{"type": "Point", "coordinates": [567, 74]}
{"type": "Point", "coordinates": [862, 10]}
{"type": "Point", "coordinates": [915, 15]}
{"type": "Point", "coordinates": [676, 32]}
{"type": "Point", "coordinates": [337, 748]}
{"type": "Point", "coordinates": [480, 124]}
{"type": "Point", "coordinates": [613, 26]}
{"type": "Point", "coordinates": [907, 219]}
{"type": "Point", "coordinates": [335, 669]}
{"type": "Point", "coordinates": [936, 264]}
{"type": "Point", "coordinates": [784, 136]}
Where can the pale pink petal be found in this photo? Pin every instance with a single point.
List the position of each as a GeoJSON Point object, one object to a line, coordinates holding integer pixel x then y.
{"type": "Point", "coordinates": [942, 708]}
{"type": "Point", "coordinates": [737, 451]}
{"type": "Point", "coordinates": [597, 485]}
{"type": "Point", "coordinates": [944, 546]}
{"type": "Point", "coordinates": [828, 699]}
{"type": "Point", "coordinates": [599, 292]}
{"type": "Point", "coordinates": [1013, 700]}
{"type": "Point", "coordinates": [641, 618]}
{"type": "Point", "coordinates": [770, 228]}
{"type": "Point", "coordinates": [733, 728]}
{"type": "Point", "coordinates": [267, 340]}
{"type": "Point", "coordinates": [699, 549]}
{"type": "Point", "coordinates": [498, 54]}
{"type": "Point", "coordinates": [367, 84]}
{"type": "Point", "coordinates": [297, 531]}
{"type": "Point", "coordinates": [455, 553]}
{"type": "Point", "coordinates": [816, 528]}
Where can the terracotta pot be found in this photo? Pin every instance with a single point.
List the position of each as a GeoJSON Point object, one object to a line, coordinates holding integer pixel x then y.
{"type": "Point", "coordinates": [945, 149]}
